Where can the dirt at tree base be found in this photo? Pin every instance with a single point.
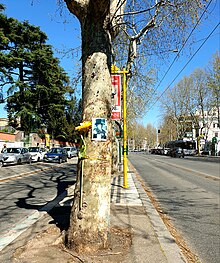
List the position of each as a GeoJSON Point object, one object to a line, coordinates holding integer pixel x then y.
{"type": "Point", "coordinates": [48, 247]}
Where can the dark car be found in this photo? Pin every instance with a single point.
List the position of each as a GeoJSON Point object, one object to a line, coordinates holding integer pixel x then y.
{"type": "Point", "coordinates": [56, 155]}
{"type": "Point", "coordinates": [177, 152]}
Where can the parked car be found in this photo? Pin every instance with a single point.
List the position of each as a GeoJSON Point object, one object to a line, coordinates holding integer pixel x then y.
{"type": "Point", "coordinates": [37, 153]}
{"type": "Point", "coordinates": [177, 152]}
{"type": "Point", "coordinates": [56, 155]}
{"type": "Point", "coordinates": [1, 160]}
{"type": "Point", "coordinates": [206, 152]}
{"type": "Point", "coordinates": [16, 155]}
{"type": "Point", "coordinates": [166, 151]}
{"type": "Point", "coordinates": [71, 152]}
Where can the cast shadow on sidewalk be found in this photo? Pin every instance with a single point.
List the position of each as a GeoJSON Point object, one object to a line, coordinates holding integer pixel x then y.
{"type": "Point", "coordinates": [62, 178]}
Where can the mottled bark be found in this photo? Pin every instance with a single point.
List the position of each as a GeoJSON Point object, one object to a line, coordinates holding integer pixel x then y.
{"type": "Point", "coordinates": [90, 224]}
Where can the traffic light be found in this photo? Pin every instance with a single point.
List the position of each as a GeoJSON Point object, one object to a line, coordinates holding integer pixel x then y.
{"type": "Point", "coordinates": [214, 140]}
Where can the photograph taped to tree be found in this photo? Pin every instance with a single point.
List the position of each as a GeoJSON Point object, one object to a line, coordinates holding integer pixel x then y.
{"type": "Point", "coordinates": [99, 129]}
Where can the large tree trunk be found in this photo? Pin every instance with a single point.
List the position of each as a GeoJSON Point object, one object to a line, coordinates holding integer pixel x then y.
{"type": "Point", "coordinates": [89, 224]}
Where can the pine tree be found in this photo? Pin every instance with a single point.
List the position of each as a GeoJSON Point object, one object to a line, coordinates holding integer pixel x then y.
{"type": "Point", "coordinates": [36, 84]}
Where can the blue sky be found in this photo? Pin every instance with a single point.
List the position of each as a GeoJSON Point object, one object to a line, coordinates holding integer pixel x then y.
{"type": "Point", "coordinates": [63, 33]}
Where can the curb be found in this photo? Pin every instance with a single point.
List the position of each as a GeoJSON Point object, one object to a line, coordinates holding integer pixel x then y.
{"type": "Point", "coordinates": [167, 242]}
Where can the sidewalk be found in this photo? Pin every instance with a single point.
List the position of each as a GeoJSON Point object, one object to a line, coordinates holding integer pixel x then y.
{"type": "Point", "coordinates": [151, 241]}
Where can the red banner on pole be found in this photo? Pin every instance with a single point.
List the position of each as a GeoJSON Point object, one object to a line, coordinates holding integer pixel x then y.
{"type": "Point", "coordinates": [116, 97]}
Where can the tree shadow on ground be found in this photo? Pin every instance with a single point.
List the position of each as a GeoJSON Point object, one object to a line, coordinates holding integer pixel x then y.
{"type": "Point", "coordinates": [62, 178]}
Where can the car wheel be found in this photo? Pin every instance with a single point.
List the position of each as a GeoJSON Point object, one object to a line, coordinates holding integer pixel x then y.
{"type": "Point", "coordinates": [38, 159]}
{"type": "Point", "coordinates": [1, 164]}
{"type": "Point", "coordinates": [19, 161]}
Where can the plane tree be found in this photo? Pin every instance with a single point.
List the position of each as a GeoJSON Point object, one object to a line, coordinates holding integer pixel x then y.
{"type": "Point", "coordinates": [138, 27]}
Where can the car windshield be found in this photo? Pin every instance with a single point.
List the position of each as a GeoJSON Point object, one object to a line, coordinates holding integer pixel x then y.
{"type": "Point", "coordinates": [33, 149]}
{"type": "Point", "coordinates": [12, 150]}
{"type": "Point", "coordinates": [55, 150]}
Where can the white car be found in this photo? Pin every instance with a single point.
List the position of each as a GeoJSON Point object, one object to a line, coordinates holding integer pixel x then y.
{"type": "Point", "coordinates": [16, 155]}
{"type": "Point", "coordinates": [37, 153]}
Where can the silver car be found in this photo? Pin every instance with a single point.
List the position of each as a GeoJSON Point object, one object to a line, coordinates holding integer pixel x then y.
{"type": "Point", "coordinates": [16, 155]}
{"type": "Point", "coordinates": [71, 151]}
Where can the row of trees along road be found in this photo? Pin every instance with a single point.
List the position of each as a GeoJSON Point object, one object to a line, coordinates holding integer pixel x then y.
{"type": "Point", "coordinates": [38, 89]}
{"type": "Point", "coordinates": [142, 137]}
{"type": "Point", "coordinates": [197, 93]}
{"type": "Point", "coordinates": [116, 31]}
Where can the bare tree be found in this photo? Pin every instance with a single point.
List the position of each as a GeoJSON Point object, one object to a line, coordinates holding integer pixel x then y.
{"type": "Point", "coordinates": [167, 129]}
{"type": "Point", "coordinates": [214, 83]}
{"type": "Point", "coordinates": [200, 106]}
{"type": "Point", "coordinates": [151, 23]}
{"type": "Point", "coordinates": [151, 135]}
{"type": "Point", "coordinates": [190, 103]}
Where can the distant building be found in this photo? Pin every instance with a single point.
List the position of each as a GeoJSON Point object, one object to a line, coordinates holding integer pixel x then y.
{"type": "Point", "coordinates": [208, 124]}
{"type": "Point", "coordinates": [208, 130]}
{"type": "Point", "coordinates": [10, 137]}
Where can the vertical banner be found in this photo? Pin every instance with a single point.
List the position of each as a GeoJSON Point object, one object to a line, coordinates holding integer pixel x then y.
{"type": "Point", "coordinates": [116, 97]}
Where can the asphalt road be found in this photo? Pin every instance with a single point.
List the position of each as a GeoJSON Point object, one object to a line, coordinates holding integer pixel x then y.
{"type": "Point", "coordinates": [188, 192]}
{"type": "Point", "coordinates": [21, 197]}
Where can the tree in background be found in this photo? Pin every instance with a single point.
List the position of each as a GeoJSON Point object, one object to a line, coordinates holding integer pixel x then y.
{"type": "Point", "coordinates": [142, 137]}
{"type": "Point", "coordinates": [137, 135]}
{"type": "Point", "coordinates": [193, 101]}
{"type": "Point", "coordinates": [168, 130]}
{"type": "Point", "coordinates": [73, 112]}
{"type": "Point", "coordinates": [151, 136]}
{"type": "Point", "coordinates": [172, 107]}
{"type": "Point", "coordinates": [36, 84]}
{"type": "Point", "coordinates": [148, 23]}
{"type": "Point", "coordinates": [214, 83]}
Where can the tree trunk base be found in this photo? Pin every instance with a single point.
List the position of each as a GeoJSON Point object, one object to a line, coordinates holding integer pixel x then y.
{"type": "Point", "coordinates": [92, 243]}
